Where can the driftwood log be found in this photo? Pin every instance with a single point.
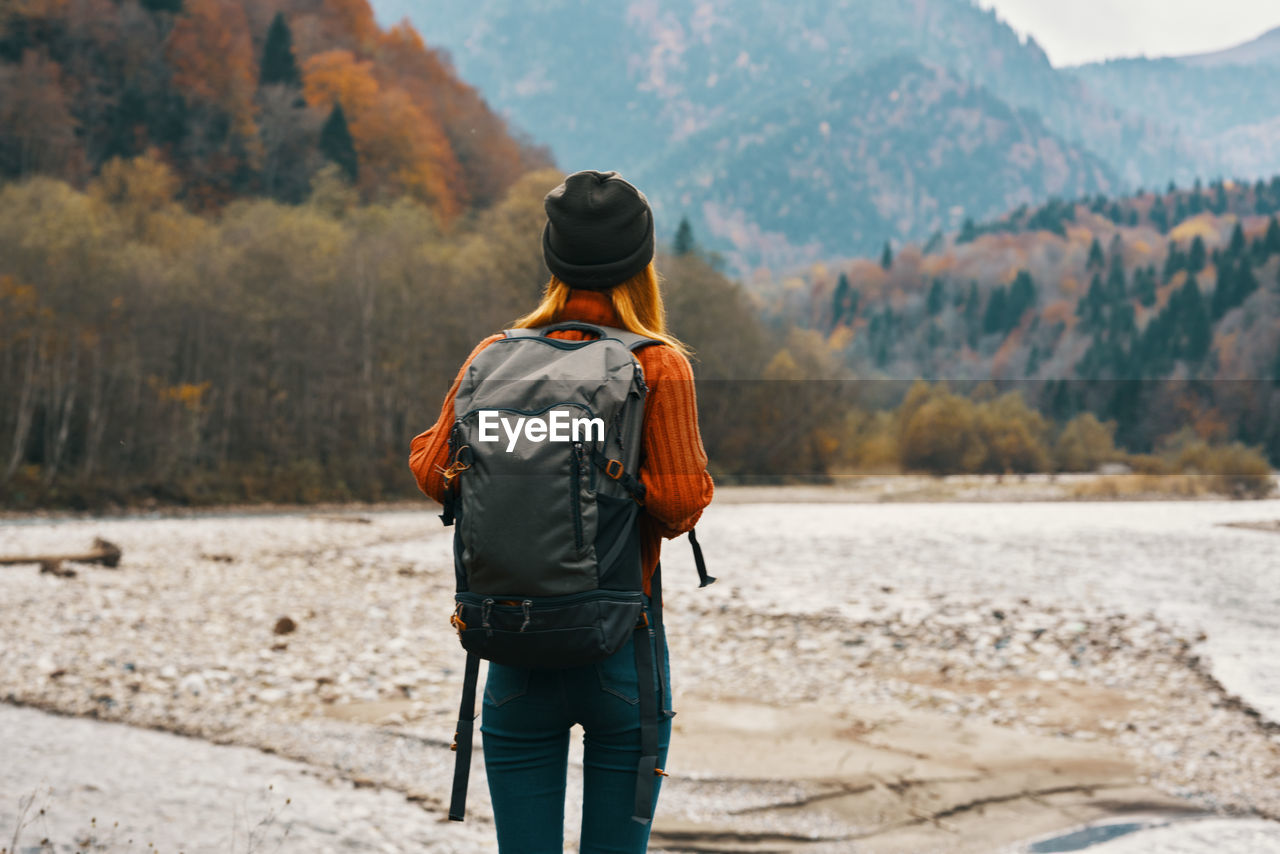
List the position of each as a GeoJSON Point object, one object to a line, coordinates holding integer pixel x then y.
{"type": "Point", "coordinates": [103, 553]}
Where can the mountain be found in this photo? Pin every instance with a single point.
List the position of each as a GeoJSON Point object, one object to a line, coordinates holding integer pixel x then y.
{"type": "Point", "coordinates": [630, 85]}
{"type": "Point", "coordinates": [1264, 50]}
{"type": "Point", "coordinates": [1228, 100]}
{"type": "Point", "coordinates": [895, 149]}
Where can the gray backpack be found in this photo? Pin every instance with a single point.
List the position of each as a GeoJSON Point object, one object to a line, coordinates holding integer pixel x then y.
{"type": "Point", "coordinates": [545, 498]}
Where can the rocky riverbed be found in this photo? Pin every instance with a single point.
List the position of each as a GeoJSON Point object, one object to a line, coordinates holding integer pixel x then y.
{"type": "Point", "coordinates": [905, 715]}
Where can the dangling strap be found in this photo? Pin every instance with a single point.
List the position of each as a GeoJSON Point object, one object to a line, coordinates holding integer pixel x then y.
{"type": "Point", "coordinates": [446, 515]}
{"type": "Point", "coordinates": [462, 739]}
{"type": "Point", "coordinates": [647, 771]}
{"type": "Point", "coordinates": [659, 631]}
{"type": "Point", "coordinates": [703, 578]}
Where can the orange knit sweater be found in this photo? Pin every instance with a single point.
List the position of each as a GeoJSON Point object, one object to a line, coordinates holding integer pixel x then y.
{"type": "Point", "coordinates": [673, 464]}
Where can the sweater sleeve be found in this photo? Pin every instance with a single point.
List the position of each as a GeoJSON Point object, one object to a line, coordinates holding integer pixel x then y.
{"type": "Point", "coordinates": [674, 470]}
{"type": "Point", "coordinates": [429, 450]}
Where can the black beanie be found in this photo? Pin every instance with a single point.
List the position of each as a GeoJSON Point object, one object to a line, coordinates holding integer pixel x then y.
{"type": "Point", "coordinates": [599, 230]}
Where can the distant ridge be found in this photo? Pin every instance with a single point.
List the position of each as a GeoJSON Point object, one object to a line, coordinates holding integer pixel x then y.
{"type": "Point", "coordinates": [1264, 50]}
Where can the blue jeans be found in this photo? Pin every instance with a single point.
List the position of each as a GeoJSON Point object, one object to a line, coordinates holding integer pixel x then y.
{"type": "Point", "coordinates": [525, 722]}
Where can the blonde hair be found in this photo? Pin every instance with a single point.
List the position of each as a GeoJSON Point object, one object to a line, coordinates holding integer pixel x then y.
{"type": "Point", "coordinates": [637, 301]}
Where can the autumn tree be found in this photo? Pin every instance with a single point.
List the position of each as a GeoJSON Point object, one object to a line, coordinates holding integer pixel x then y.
{"type": "Point", "coordinates": [1084, 444]}
{"type": "Point", "coordinates": [401, 148]}
{"type": "Point", "coordinates": [37, 130]}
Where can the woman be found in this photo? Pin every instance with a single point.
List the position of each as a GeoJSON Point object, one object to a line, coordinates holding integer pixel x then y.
{"type": "Point", "coordinates": [598, 243]}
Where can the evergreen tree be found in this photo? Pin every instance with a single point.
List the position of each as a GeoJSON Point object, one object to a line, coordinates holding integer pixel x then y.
{"type": "Point", "coordinates": [128, 117]}
{"type": "Point", "coordinates": [1158, 215]}
{"type": "Point", "coordinates": [337, 145]}
{"type": "Point", "coordinates": [1237, 245]}
{"type": "Point", "coordinates": [1197, 256]}
{"type": "Point", "coordinates": [886, 257]}
{"type": "Point", "coordinates": [1223, 292]}
{"type": "Point", "coordinates": [1195, 332]}
{"type": "Point", "coordinates": [1219, 198]}
{"type": "Point", "coordinates": [1144, 284]}
{"type": "Point", "coordinates": [1271, 243]}
{"type": "Point", "coordinates": [1096, 258]}
{"type": "Point", "coordinates": [973, 315]}
{"type": "Point", "coordinates": [684, 243]}
{"type": "Point", "coordinates": [1174, 261]}
{"type": "Point", "coordinates": [1091, 310]}
{"type": "Point", "coordinates": [1116, 280]}
{"type": "Point", "coordinates": [174, 6]}
{"type": "Point", "coordinates": [994, 319]}
{"type": "Point", "coordinates": [1179, 210]}
{"type": "Point", "coordinates": [968, 231]}
{"type": "Point", "coordinates": [844, 302]}
{"type": "Point", "coordinates": [1234, 286]}
{"type": "Point", "coordinates": [936, 298]}
{"type": "Point", "coordinates": [278, 62]}
{"type": "Point", "coordinates": [1022, 296]}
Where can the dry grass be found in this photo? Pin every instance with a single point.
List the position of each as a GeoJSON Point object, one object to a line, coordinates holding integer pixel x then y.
{"type": "Point", "coordinates": [1144, 486]}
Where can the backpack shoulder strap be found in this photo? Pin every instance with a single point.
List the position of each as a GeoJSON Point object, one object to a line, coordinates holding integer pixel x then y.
{"type": "Point", "coordinates": [630, 340]}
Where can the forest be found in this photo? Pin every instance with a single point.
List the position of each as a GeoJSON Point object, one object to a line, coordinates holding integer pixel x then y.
{"type": "Point", "coordinates": [1159, 311]}
{"type": "Point", "coordinates": [244, 248]}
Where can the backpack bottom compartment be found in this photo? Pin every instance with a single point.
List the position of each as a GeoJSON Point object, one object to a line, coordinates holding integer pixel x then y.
{"type": "Point", "coordinates": [547, 633]}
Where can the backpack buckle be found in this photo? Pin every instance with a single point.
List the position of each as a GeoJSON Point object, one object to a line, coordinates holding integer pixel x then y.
{"type": "Point", "coordinates": [613, 468]}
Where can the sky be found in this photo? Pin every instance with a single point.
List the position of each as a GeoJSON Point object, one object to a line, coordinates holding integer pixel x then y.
{"type": "Point", "coordinates": [1076, 31]}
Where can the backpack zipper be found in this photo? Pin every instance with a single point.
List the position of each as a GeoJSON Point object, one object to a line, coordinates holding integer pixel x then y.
{"type": "Point", "coordinates": [575, 494]}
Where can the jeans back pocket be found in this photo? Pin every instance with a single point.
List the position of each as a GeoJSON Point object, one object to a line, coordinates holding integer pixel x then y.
{"type": "Point", "coordinates": [617, 673]}
{"type": "Point", "coordinates": [504, 684]}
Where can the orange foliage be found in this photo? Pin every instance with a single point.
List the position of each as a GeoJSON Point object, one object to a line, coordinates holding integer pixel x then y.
{"type": "Point", "coordinates": [868, 278]}
{"type": "Point", "coordinates": [491, 160]}
{"type": "Point", "coordinates": [1164, 292]}
{"type": "Point", "coordinates": [1059, 311]}
{"type": "Point", "coordinates": [1228, 355]}
{"type": "Point", "coordinates": [840, 338]}
{"type": "Point", "coordinates": [400, 147]}
{"type": "Point", "coordinates": [39, 8]}
{"type": "Point", "coordinates": [939, 265]}
{"type": "Point", "coordinates": [212, 55]}
{"type": "Point", "coordinates": [1069, 285]}
{"type": "Point", "coordinates": [1000, 361]}
{"type": "Point", "coordinates": [1203, 226]}
{"type": "Point", "coordinates": [354, 19]}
